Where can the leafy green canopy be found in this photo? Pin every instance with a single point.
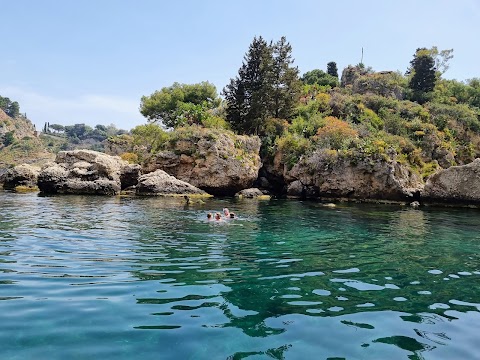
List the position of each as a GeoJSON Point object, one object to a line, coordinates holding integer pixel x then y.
{"type": "Point", "coordinates": [180, 104]}
{"type": "Point", "coordinates": [319, 77]}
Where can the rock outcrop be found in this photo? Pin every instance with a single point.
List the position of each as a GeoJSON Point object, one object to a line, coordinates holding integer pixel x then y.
{"type": "Point", "coordinates": [249, 193]}
{"type": "Point", "coordinates": [87, 172]}
{"type": "Point", "coordinates": [455, 185]}
{"type": "Point", "coordinates": [218, 162]}
{"type": "Point", "coordinates": [24, 176]}
{"type": "Point", "coordinates": [252, 193]}
{"type": "Point", "coordinates": [160, 183]}
{"type": "Point", "coordinates": [321, 176]}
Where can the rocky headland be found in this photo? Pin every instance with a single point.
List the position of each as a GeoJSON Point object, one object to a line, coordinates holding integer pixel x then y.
{"type": "Point", "coordinates": [323, 175]}
{"type": "Point", "coordinates": [199, 163]}
{"type": "Point", "coordinates": [315, 176]}
{"type": "Point", "coordinates": [218, 162]}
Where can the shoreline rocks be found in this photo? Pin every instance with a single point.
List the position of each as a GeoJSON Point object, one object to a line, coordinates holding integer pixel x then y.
{"type": "Point", "coordinates": [22, 177]}
{"type": "Point", "coordinates": [252, 193]}
{"type": "Point", "coordinates": [87, 172]}
{"type": "Point", "coordinates": [455, 185]}
{"type": "Point", "coordinates": [162, 184]}
{"type": "Point", "coordinates": [319, 176]}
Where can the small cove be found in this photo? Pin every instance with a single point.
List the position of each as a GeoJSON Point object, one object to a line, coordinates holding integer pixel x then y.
{"type": "Point", "coordinates": [120, 277]}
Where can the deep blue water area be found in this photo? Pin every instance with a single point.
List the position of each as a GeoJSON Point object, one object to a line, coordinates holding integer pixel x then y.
{"type": "Point", "coordinates": [150, 278]}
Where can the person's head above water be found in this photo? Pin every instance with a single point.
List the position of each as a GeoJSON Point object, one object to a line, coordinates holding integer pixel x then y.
{"type": "Point", "coordinates": [209, 216]}
{"type": "Point", "coordinates": [226, 212]}
{"type": "Point", "coordinates": [232, 215]}
{"type": "Point", "coordinates": [218, 216]}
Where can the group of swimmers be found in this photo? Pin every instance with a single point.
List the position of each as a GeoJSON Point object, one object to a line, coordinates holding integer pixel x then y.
{"type": "Point", "coordinates": [218, 216]}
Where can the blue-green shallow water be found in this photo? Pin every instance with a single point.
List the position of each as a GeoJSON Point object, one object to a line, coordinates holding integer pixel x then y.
{"type": "Point", "coordinates": [148, 278]}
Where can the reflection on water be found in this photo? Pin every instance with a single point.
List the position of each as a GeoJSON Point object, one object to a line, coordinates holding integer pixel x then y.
{"type": "Point", "coordinates": [84, 277]}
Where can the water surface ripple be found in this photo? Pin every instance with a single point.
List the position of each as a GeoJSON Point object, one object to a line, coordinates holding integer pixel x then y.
{"type": "Point", "coordinates": [149, 278]}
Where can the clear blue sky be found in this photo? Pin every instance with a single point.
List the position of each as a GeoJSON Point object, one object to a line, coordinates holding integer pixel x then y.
{"type": "Point", "coordinates": [90, 61]}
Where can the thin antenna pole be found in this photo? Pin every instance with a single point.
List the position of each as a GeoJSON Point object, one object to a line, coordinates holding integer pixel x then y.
{"type": "Point", "coordinates": [361, 61]}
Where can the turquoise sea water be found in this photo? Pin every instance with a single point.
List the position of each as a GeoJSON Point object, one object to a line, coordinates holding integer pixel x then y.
{"type": "Point", "coordinates": [149, 278]}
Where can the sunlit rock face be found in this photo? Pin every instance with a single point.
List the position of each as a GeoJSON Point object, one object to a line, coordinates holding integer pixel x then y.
{"type": "Point", "coordinates": [160, 183]}
{"type": "Point", "coordinates": [219, 162]}
{"type": "Point", "coordinates": [22, 175]}
{"type": "Point", "coordinates": [457, 184]}
{"type": "Point", "coordinates": [318, 175]}
{"type": "Point", "coordinates": [87, 172]}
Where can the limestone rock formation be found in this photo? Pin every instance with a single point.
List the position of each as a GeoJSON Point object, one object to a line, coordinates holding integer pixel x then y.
{"type": "Point", "coordinates": [455, 185]}
{"type": "Point", "coordinates": [22, 175]}
{"type": "Point", "coordinates": [218, 162]}
{"type": "Point", "coordinates": [160, 183]}
{"type": "Point", "coordinates": [251, 193]}
{"type": "Point", "coordinates": [129, 175]}
{"type": "Point", "coordinates": [318, 175]}
{"type": "Point", "coordinates": [87, 172]}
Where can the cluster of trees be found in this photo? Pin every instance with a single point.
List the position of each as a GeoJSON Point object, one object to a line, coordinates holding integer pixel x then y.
{"type": "Point", "coordinates": [267, 86]}
{"type": "Point", "coordinates": [417, 117]}
{"type": "Point", "coordinates": [80, 132]}
{"type": "Point", "coordinates": [11, 108]}
{"type": "Point", "coordinates": [322, 78]}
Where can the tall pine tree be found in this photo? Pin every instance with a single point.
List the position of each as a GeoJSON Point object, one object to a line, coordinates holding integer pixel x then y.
{"type": "Point", "coordinates": [423, 72]}
{"type": "Point", "coordinates": [332, 69]}
{"type": "Point", "coordinates": [246, 95]}
{"type": "Point", "coordinates": [284, 81]}
{"type": "Point", "coordinates": [266, 86]}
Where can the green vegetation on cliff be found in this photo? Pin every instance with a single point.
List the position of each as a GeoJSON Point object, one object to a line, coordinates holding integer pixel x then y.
{"type": "Point", "coordinates": [419, 119]}
{"type": "Point", "coordinates": [18, 139]}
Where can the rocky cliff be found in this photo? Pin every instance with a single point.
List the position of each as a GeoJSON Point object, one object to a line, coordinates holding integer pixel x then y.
{"type": "Point", "coordinates": [24, 176]}
{"type": "Point", "coordinates": [219, 162]}
{"type": "Point", "coordinates": [455, 185]}
{"type": "Point", "coordinates": [324, 174]}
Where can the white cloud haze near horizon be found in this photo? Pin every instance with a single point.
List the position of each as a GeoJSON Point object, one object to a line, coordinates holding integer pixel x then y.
{"type": "Point", "coordinates": [91, 109]}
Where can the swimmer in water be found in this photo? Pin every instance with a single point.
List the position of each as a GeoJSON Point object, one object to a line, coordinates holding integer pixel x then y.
{"type": "Point", "coordinates": [209, 217]}
{"type": "Point", "coordinates": [218, 217]}
{"type": "Point", "coordinates": [226, 212]}
{"type": "Point", "coordinates": [232, 215]}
